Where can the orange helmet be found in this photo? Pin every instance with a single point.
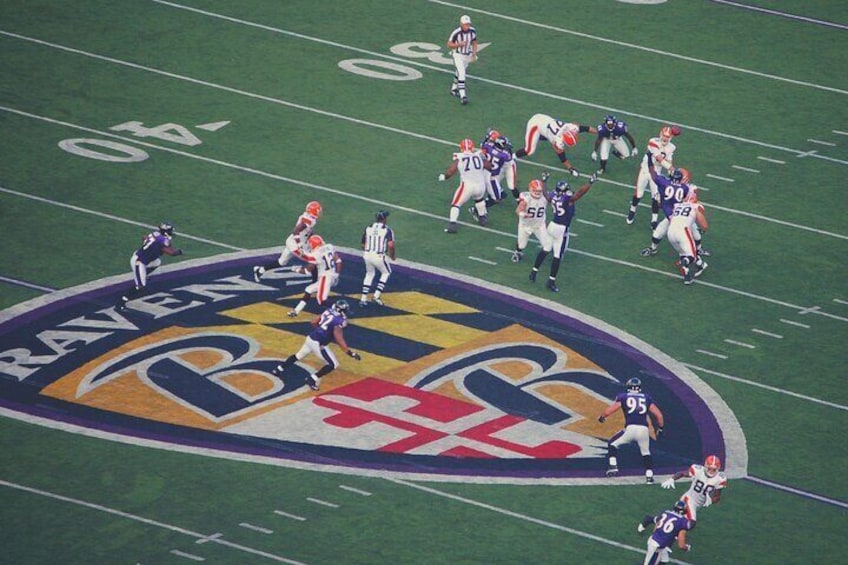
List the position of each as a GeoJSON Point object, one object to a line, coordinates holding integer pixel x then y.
{"type": "Point", "coordinates": [712, 465]}
{"type": "Point", "coordinates": [536, 187]}
{"type": "Point", "coordinates": [315, 242]}
{"type": "Point", "coordinates": [314, 208]}
{"type": "Point", "coordinates": [569, 138]}
{"type": "Point", "coordinates": [686, 176]}
{"type": "Point", "coordinates": [466, 145]}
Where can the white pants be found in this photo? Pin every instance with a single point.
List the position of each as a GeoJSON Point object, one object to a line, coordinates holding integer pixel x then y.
{"type": "Point", "coordinates": [656, 554]}
{"type": "Point", "coordinates": [682, 239]}
{"type": "Point", "coordinates": [644, 181]}
{"type": "Point", "coordinates": [320, 351]}
{"type": "Point", "coordinates": [619, 144]}
{"type": "Point", "coordinates": [376, 262]}
{"type": "Point", "coordinates": [559, 238]}
{"type": "Point", "coordinates": [321, 287]}
{"type": "Point", "coordinates": [461, 63]}
{"type": "Point", "coordinates": [294, 248]}
{"type": "Point", "coordinates": [139, 270]}
{"type": "Point", "coordinates": [632, 433]}
{"type": "Point", "coordinates": [537, 229]}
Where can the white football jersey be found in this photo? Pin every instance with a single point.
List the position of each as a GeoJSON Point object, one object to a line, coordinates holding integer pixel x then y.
{"type": "Point", "coordinates": [685, 214]}
{"type": "Point", "coordinates": [663, 154]}
{"type": "Point", "coordinates": [535, 210]}
{"type": "Point", "coordinates": [470, 167]}
{"type": "Point", "coordinates": [325, 259]}
{"type": "Point", "coordinates": [702, 485]}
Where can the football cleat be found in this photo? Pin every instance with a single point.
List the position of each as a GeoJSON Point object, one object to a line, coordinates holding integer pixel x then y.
{"type": "Point", "coordinates": [640, 528]}
{"type": "Point", "coordinates": [483, 220]}
{"type": "Point", "coordinates": [701, 268]}
{"type": "Point", "coordinates": [704, 252]}
{"type": "Point", "coordinates": [122, 304]}
{"type": "Point", "coordinates": [612, 471]}
{"type": "Point", "coordinates": [257, 273]}
{"type": "Point", "coordinates": [533, 274]}
{"type": "Point", "coordinates": [649, 480]}
{"type": "Point", "coordinates": [312, 382]}
{"type": "Point", "coordinates": [517, 256]}
{"type": "Point", "coordinates": [454, 92]}
{"type": "Point", "coordinates": [631, 215]}
{"type": "Point", "coordinates": [473, 211]}
{"type": "Point", "coordinates": [464, 100]}
{"type": "Point", "coordinates": [451, 228]}
{"type": "Point", "coordinates": [292, 314]}
{"type": "Point", "coordinates": [363, 303]}
{"type": "Point", "coordinates": [552, 286]}
{"type": "Point", "coordinates": [378, 301]}
{"type": "Point", "coordinates": [648, 251]}
{"type": "Point", "coordinates": [278, 370]}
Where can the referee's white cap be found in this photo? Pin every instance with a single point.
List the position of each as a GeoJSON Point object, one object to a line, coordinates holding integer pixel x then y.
{"type": "Point", "coordinates": [465, 19]}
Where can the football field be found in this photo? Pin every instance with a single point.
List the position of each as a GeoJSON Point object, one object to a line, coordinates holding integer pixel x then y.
{"type": "Point", "coordinates": [226, 117]}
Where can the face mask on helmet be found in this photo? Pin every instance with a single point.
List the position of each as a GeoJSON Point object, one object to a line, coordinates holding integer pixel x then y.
{"type": "Point", "coordinates": [536, 187]}
{"type": "Point", "coordinates": [166, 229]}
{"type": "Point", "coordinates": [466, 145]}
{"type": "Point", "coordinates": [712, 465]}
{"type": "Point", "coordinates": [609, 122]}
{"type": "Point", "coordinates": [315, 242]}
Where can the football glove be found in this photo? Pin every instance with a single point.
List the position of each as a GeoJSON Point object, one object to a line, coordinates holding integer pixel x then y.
{"type": "Point", "coordinates": [594, 178]}
{"type": "Point", "coordinates": [354, 354]}
{"type": "Point", "coordinates": [178, 252]}
{"type": "Point", "coordinates": [442, 177]}
{"type": "Point", "coordinates": [668, 483]}
{"type": "Point", "coordinates": [574, 172]}
{"type": "Point", "coordinates": [545, 176]}
{"type": "Point", "coordinates": [634, 151]}
{"type": "Point", "coordinates": [594, 155]}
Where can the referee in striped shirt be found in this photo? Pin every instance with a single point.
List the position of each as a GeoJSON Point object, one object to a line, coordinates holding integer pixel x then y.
{"type": "Point", "coordinates": [378, 252]}
{"type": "Point", "coordinates": [463, 45]}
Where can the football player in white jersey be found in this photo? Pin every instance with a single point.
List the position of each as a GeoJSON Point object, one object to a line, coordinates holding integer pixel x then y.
{"type": "Point", "coordinates": [661, 150]}
{"type": "Point", "coordinates": [474, 175]}
{"type": "Point", "coordinates": [326, 264]}
{"type": "Point", "coordinates": [558, 133]}
{"type": "Point", "coordinates": [531, 211]}
{"type": "Point", "coordinates": [296, 242]}
{"type": "Point", "coordinates": [684, 216]}
{"type": "Point", "coordinates": [707, 483]}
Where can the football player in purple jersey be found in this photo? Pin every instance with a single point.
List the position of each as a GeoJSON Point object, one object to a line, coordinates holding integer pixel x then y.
{"type": "Point", "coordinates": [672, 191]}
{"type": "Point", "coordinates": [562, 201]}
{"type": "Point", "coordinates": [636, 407]}
{"type": "Point", "coordinates": [668, 525]}
{"type": "Point", "coordinates": [611, 135]}
{"type": "Point", "coordinates": [327, 327]}
{"type": "Point", "coordinates": [147, 259]}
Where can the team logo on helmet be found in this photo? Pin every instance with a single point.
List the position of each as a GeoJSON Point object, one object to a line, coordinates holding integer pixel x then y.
{"type": "Point", "coordinates": [166, 229]}
{"type": "Point", "coordinates": [680, 507]}
{"type": "Point", "coordinates": [633, 384]}
{"type": "Point", "coordinates": [609, 122]}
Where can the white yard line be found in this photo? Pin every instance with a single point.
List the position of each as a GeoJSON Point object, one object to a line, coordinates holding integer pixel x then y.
{"type": "Point", "coordinates": [149, 522]}
{"type": "Point", "coordinates": [769, 334]}
{"type": "Point", "coordinates": [746, 169]}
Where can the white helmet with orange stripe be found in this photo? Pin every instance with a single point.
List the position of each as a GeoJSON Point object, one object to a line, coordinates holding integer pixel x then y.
{"type": "Point", "coordinates": [315, 242]}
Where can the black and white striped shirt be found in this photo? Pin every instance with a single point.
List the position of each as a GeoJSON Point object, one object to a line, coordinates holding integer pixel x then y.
{"type": "Point", "coordinates": [460, 35]}
{"type": "Point", "coordinates": [376, 238]}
